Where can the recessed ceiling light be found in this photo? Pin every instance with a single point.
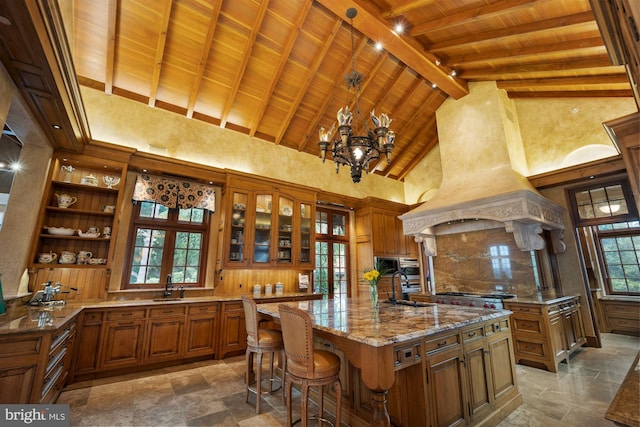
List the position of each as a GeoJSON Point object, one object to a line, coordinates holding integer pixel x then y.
{"type": "Point", "coordinates": [56, 126]}
{"type": "Point", "coordinates": [399, 28]}
{"type": "Point", "coordinates": [453, 73]}
{"type": "Point", "coordinates": [378, 46]}
{"type": "Point", "coordinates": [434, 86]}
{"type": "Point", "coordinates": [575, 110]}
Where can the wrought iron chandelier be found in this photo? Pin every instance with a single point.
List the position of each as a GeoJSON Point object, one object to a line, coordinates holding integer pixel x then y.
{"type": "Point", "coordinates": [350, 149]}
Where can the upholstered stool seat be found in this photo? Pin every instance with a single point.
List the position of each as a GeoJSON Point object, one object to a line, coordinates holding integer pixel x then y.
{"type": "Point", "coordinates": [260, 342]}
{"type": "Point", "coordinates": [306, 366]}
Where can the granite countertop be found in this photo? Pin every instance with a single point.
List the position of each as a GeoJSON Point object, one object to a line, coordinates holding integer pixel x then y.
{"type": "Point", "coordinates": [24, 318]}
{"type": "Point", "coordinates": [540, 299]}
{"type": "Point", "coordinates": [625, 409]}
{"type": "Point", "coordinates": [357, 320]}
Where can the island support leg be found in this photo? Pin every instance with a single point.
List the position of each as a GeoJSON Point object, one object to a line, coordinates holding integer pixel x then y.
{"type": "Point", "coordinates": [379, 404]}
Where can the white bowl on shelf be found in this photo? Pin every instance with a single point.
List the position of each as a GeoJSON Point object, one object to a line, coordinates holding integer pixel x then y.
{"type": "Point", "coordinates": [88, 235]}
{"type": "Point", "coordinates": [61, 231]}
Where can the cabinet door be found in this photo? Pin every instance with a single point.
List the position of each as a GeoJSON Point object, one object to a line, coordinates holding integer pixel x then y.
{"type": "Point", "coordinates": [503, 374]}
{"type": "Point", "coordinates": [445, 380]}
{"type": "Point", "coordinates": [164, 339]}
{"type": "Point", "coordinates": [285, 230]}
{"type": "Point", "coordinates": [86, 356]}
{"type": "Point", "coordinates": [122, 343]}
{"type": "Point", "coordinates": [557, 338]}
{"type": "Point", "coordinates": [201, 330]}
{"type": "Point", "coordinates": [262, 226]}
{"type": "Point", "coordinates": [236, 249]}
{"type": "Point", "coordinates": [306, 234]}
{"type": "Point", "coordinates": [233, 331]}
{"type": "Point", "coordinates": [477, 366]}
{"type": "Point", "coordinates": [384, 236]}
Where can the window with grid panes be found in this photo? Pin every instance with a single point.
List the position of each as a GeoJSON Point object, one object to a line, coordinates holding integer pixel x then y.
{"type": "Point", "coordinates": [620, 248]}
{"type": "Point", "coordinates": [166, 242]}
{"type": "Point", "coordinates": [331, 275]}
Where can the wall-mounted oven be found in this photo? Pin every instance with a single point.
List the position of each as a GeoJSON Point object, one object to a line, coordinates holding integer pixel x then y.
{"type": "Point", "coordinates": [410, 269]}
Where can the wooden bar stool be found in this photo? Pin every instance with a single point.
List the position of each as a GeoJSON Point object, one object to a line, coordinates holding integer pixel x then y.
{"type": "Point", "coordinates": [306, 366]}
{"type": "Point", "coordinates": [260, 341]}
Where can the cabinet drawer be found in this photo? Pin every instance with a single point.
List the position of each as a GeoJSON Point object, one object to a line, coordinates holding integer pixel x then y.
{"type": "Point", "coordinates": [441, 343]}
{"type": "Point", "coordinates": [473, 333]}
{"type": "Point", "coordinates": [61, 335]}
{"type": "Point", "coordinates": [20, 346]}
{"type": "Point", "coordinates": [93, 316]}
{"type": "Point", "coordinates": [531, 348]}
{"type": "Point", "coordinates": [622, 322]}
{"type": "Point", "coordinates": [623, 310]}
{"type": "Point", "coordinates": [529, 325]}
{"type": "Point", "coordinates": [178, 310]}
{"type": "Point", "coordinates": [407, 356]}
{"type": "Point", "coordinates": [529, 308]}
{"type": "Point", "coordinates": [233, 306]}
{"type": "Point", "coordinates": [116, 315]}
{"type": "Point", "coordinates": [203, 309]}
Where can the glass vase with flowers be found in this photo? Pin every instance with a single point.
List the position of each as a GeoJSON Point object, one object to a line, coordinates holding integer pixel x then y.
{"type": "Point", "coordinates": [373, 275]}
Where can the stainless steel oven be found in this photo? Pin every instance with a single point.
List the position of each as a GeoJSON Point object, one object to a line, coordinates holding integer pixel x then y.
{"type": "Point", "coordinates": [410, 269]}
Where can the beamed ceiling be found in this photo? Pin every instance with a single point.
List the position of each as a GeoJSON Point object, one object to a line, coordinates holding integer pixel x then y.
{"type": "Point", "coordinates": [274, 69]}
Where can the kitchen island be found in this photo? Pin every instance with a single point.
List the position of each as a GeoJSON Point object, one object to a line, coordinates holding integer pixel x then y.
{"type": "Point", "coordinates": [430, 364]}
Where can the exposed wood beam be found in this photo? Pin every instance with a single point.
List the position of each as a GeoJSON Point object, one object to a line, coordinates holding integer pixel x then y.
{"type": "Point", "coordinates": [308, 79]}
{"type": "Point", "coordinates": [471, 15]}
{"type": "Point", "coordinates": [111, 46]}
{"type": "Point", "coordinates": [572, 94]}
{"type": "Point", "coordinates": [519, 70]}
{"type": "Point", "coordinates": [157, 65]}
{"type": "Point", "coordinates": [387, 90]}
{"type": "Point", "coordinates": [533, 84]}
{"type": "Point", "coordinates": [405, 6]}
{"type": "Point", "coordinates": [518, 30]}
{"type": "Point", "coordinates": [284, 57]}
{"type": "Point", "coordinates": [377, 29]}
{"type": "Point", "coordinates": [485, 55]}
{"type": "Point", "coordinates": [204, 58]}
{"type": "Point", "coordinates": [249, 45]}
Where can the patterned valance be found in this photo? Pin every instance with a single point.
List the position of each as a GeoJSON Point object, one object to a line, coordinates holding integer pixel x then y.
{"type": "Point", "coordinates": [174, 193]}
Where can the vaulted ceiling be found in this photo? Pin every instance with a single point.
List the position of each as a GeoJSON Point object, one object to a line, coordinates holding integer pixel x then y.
{"type": "Point", "coordinates": [274, 69]}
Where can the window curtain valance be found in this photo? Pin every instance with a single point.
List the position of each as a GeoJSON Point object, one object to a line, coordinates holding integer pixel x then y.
{"type": "Point", "coordinates": [174, 193]}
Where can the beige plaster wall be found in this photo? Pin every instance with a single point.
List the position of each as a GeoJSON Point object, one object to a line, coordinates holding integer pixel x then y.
{"type": "Point", "coordinates": [121, 121]}
{"type": "Point", "coordinates": [558, 133]}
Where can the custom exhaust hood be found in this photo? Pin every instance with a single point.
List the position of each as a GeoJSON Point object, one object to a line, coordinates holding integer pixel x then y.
{"type": "Point", "coordinates": [482, 167]}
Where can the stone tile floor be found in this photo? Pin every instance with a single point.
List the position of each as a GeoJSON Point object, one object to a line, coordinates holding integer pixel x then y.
{"type": "Point", "coordinates": [211, 393]}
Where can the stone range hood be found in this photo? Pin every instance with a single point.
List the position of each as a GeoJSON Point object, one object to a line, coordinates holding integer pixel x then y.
{"type": "Point", "coordinates": [481, 148]}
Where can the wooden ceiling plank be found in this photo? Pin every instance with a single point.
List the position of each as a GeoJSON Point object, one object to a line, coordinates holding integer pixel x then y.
{"type": "Point", "coordinates": [284, 56]}
{"type": "Point", "coordinates": [249, 45]}
{"type": "Point", "coordinates": [157, 68]}
{"type": "Point", "coordinates": [515, 31]}
{"type": "Point", "coordinates": [475, 14]}
{"type": "Point", "coordinates": [388, 89]}
{"type": "Point", "coordinates": [204, 58]}
{"type": "Point", "coordinates": [308, 79]}
{"type": "Point", "coordinates": [377, 29]}
{"type": "Point", "coordinates": [322, 110]}
{"type": "Point", "coordinates": [572, 94]}
{"type": "Point", "coordinates": [485, 55]}
{"type": "Point", "coordinates": [111, 46]}
{"type": "Point", "coordinates": [405, 6]}
{"type": "Point", "coordinates": [428, 128]}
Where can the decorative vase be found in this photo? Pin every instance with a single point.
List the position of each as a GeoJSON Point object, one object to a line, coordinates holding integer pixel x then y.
{"type": "Point", "coordinates": [373, 294]}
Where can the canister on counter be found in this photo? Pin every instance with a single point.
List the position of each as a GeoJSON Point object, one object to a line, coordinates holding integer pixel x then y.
{"type": "Point", "coordinates": [268, 289]}
{"type": "Point", "coordinates": [279, 288]}
{"type": "Point", "coordinates": [257, 290]}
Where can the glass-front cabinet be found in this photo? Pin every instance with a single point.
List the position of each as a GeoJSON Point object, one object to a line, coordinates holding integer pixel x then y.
{"type": "Point", "coordinates": [268, 225]}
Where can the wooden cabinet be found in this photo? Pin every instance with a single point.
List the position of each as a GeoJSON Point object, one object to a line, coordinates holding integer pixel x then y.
{"type": "Point", "coordinates": [478, 370]}
{"type": "Point", "coordinates": [503, 384]}
{"type": "Point", "coordinates": [34, 367]}
{"type": "Point", "coordinates": [164, 337]}
{"type": "Point", "coordinates": [82, 259]}
{"type": "Point", "coordinates": [545, 334]}
{"type": "Point", "coordinates": [268, 225]}
{"type": "Point", "coordinates": [621, 315]}
{"type": "Point", "coordinates": [86, 353]}
{"type": "Point", "coordinates": [201, 335]}
{"type": "Point", "coordinates": [446, 380]}
{"type": "Point", "coordinates": [123, 338]}
{"type": "Point", "coordinates": [233, 330]}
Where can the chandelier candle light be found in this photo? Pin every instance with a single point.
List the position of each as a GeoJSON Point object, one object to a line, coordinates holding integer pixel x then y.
{"type": "Point", "coordinates": [356, 151]}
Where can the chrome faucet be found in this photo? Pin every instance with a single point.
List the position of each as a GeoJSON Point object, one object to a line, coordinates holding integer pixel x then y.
{"type": "Point", "coordinates": [393, 285]}
{"type": "Point", "coordinates": [168, 287]}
